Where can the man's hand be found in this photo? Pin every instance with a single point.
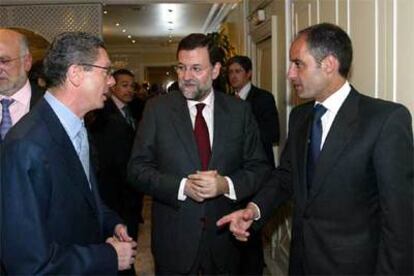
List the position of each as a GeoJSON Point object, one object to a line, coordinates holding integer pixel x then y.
{"type": "Point", "coordinates": [121, 233]}
{"type": "Point", "coordinates": [239, 222]}
{"type": "Point", "coordinates": [125, 251]}
{"type": "Point", "coordinates": [190, 191]}
{"type": "Point", "coordinates": [209, 184]}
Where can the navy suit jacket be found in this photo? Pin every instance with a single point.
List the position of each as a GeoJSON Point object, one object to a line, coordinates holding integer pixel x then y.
{"type": "Point", "coordinates": [357, 218]}
{"type": "Point", "coordinates": [165, 151]}
{"type": "Point", "coordinates": [52, 223]}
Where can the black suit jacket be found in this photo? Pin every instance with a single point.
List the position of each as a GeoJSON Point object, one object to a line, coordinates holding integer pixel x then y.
{"type": "Point", "coordinates": [52, 222]}
{"type": "Point", "coordinates": [165, 151]}
{"type": "Point", "coordinates": [265, 111]}
{"type": "Point", "coordinates": [358, 216]}
{"type": "Point", "coordinates": [113, 138]}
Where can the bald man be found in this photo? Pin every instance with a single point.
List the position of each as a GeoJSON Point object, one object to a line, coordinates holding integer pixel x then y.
{"type": "Point", "coordinates": [15, 89]}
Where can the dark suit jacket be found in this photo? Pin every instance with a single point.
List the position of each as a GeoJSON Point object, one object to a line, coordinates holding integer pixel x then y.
{"type": "Point", "coordinates": [165, 151]}
{"type": "Point", "coordinates": [52, 222]}
{"type": "Point", "coordinates": [113, 138]}
{"type": "Point", "coordinates": [358, 216]}
{"type": "Point", "coordinates": [264, 110]}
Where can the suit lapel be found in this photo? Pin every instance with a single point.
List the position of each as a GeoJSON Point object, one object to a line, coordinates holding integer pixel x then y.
{"type": "Point", "coordinates": [72, 163]}
{"type": "Point", "coordinates": [180, 117]}
{"type": "Point", "coordinates": [339, 136]}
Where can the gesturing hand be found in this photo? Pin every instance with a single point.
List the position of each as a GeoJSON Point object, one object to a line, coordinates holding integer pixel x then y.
{"type": "Point", "coordinates": [239, 222]}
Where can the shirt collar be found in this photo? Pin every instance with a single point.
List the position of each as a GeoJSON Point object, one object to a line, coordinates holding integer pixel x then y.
{"type": "Point", "coordinates": [208, 101]}
{"type": "Point", "coordinates": [71, 123]}
{"type": "Point", "coordinates": [22, 96]}
{"type": "Point", "coordinates": [335, 101]}
{"type": "Point", "coordinates": [244, 92]}
{"type": "Point", "coordinates": [117, 102]}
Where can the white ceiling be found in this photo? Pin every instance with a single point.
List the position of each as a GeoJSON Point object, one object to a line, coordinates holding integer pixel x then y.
{"type": "Point", "coordinates": [150, 21]}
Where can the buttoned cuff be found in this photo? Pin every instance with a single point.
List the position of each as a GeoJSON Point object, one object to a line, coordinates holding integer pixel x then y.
{"type": "Point", "coordinates": [232, 192]}
{"type": "Point", "coordinates": [181, 196]}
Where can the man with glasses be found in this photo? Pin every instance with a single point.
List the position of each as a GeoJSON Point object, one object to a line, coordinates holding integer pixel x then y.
{"type": "Point", "coordinates": [17, 94]}
{"type": "Point", "coordinates": [198, 153]}
{"type": "Point", "coordinates": [53, 220]}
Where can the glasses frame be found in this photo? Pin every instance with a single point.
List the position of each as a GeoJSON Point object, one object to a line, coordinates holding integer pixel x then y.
{"type": "Point", "coordinates": [109, 70]}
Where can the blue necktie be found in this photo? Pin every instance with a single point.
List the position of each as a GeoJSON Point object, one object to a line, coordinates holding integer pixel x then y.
{"type": "Point", "coordinates": [6, 121]}
{"type": "Point", "coordinates": [315, 141]}
{"type": "Point", "coordinates": [83, 150]}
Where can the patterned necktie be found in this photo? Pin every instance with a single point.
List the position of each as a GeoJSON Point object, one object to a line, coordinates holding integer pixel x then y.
{"type": "Point", "coordinates": [315, 141]}
{"type": "Point", "coordinates": [6, 121]}
{"type": "Point", "coordinates": [128, 117]}
{"type": "Point", "coordinates": [202, 137]}
{"type": "Point", "coordinates": [83, 150]}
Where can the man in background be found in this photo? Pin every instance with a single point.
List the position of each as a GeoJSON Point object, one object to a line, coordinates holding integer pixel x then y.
{"type": "Point", "coordinates": [347, 165]}
{"type": "Point", "coordinates": [239, 70]}
{"type": "Point", "coordinates": [198, 153]}
{"type": "Point", "coordinates": [53, 220]}
{"type": "Point", "coordinates": [113, 131]}
{"type": "Point", "coordinates": [17, 94]}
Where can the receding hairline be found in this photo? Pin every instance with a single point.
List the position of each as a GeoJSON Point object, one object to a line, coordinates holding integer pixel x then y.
{"type": "Point", "coordinates": [21, 39]}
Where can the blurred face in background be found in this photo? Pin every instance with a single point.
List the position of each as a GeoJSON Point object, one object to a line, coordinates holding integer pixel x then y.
{"type": "Point", "coordinates": [15, 62]}
{"type": "Point", "coordinates": [238, 77]}
{"type": "Point", "coordinates": [124, 88]}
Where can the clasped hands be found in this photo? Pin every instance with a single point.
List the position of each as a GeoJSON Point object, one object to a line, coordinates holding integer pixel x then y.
{"type": "Point", "coordinates": [205, 184]}
{"type": "Point", "coordinates": [124, 246]}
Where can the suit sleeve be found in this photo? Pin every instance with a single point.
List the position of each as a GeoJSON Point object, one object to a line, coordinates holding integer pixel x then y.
{"type": "Point", "coordinates": [143, 172]}
{"type": "Point", "coordinates": [394, 167]}
{"type": "Point", "coordinates": [27, 245]}
{"type": "Point", "coordinates": [254, 168]}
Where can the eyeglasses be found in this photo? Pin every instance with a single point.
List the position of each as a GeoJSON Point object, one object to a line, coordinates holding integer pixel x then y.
{"type": "Point", "coordinates": [109, 70]}
{"type": "Point", "coordinates": [195, 69]}
{"type": "Point", "coordinates": [8, 61]}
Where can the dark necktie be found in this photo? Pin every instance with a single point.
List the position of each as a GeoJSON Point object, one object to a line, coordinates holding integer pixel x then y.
{"type": "Point", "coordinates": [128, 116]}
{"type": "Point", "coordinates": [6, 121]}
{"type": "Point", "coordinates": [202, 137]}
{"type": "Point", "coordinates": [315, 141]}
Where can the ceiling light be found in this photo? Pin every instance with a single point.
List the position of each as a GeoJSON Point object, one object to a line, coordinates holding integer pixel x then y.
{"type": "Point", "coordinates": [123, 30]}
{"type": "Point", "coordinates": [117, 24]}
{"type": "Point", "coordinates": [105, 12]}
{"type": "Point", "coordinates": [133, 41]}
{"type": "Point", "coordinates": [170, 10]}
{"type": "Point", "coordinates": [170, 22]}
{"type": "Point", "coordinates": [129, 36]}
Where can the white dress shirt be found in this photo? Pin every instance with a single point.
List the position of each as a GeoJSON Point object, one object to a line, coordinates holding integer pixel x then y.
{"type": "Point", "coordinates": [21, 104]}
{"type": "Point", "coordinates": [244, 92]}
{"type": "Point", "coordinates": [208, 114]}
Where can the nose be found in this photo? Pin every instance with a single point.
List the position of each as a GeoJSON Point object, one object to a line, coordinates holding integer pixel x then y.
{"type": "Point", "coordinates": [291, 74]}
{"type": "Point", "coordinates": [187, 74]}
{"type": "Point", "coordinates": [111, 81]}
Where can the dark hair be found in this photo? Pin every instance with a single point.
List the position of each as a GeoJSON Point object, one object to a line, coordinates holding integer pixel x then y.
{"type": "Point", "coordinates": [198, 40]}
{"type": "Point", "coordinates": [122, 72]}
{"type": "Point", "coordinates": [67, 49]}
{"type": "Point", "coordinates": [243, 61]}
{"type": "Point", "coordinates": [328, 39]}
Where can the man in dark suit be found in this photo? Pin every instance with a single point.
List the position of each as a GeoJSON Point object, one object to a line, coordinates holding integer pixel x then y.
{"type": "Point", "coordinates": [112, 132]}
{"type": "Point", "coordinates": [239, 70]}
{"type": "Point", "coordinates": [198, 154]}
{"type": "Point", "coordinates": [349, 169]}
{"type": "Point", "coordinates": [15, 63]}
{"type": "Point", "coordinates": [53, 220]}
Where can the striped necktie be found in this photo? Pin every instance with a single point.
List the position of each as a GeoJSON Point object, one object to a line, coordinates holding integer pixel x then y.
{"type": "Point", "coordinates": [6, 121]}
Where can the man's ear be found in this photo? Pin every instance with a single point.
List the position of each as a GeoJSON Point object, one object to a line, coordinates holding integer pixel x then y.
{"type": "Point", "coordinates": [75, 74]}
{"type": "Point", "coordinates": [330, 64]}
{"type": "Point", "coordinates": [216, 70]}
{"type": "Point", "coordinates": [27, 62]}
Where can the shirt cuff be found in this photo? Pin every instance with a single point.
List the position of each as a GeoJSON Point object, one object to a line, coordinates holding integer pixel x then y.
{"type": "Point", "coordinates": [232, 192]}
{"type": "Point", "coordinates": [259, 215]}
{"type": "Point", "coordinates": [181, 196]}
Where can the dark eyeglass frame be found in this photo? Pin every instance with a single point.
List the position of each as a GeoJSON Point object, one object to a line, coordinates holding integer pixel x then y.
{"type": "Point", "coordinates": [7, 62]}
{"type": "Point", "coordinates": [109, 70]}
